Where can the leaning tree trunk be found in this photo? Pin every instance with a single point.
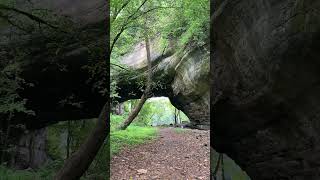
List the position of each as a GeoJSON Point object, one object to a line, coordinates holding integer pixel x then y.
{"type": "Point", "coordinates": [222, 168]}
{"type": "Point", "coordinates": [175, 117]}
{"type": "Point", "coordinates": [79, 162]}
{"type": "Point", "coordinates": [68, 139]}
{"type": "Point", "coordinates": [144, 96]}
{"type": "Point", "coordinates": [4, 149]}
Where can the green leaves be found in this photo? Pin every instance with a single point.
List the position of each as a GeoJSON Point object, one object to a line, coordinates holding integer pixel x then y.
{"type": "Point", "coordinates": [10, 84]}
{"type": "Point", "coordinates": [175, 23]}
{"type": "Point", "coordinates": [155, 111]}
{"type": "Point", "coordinates": [194, 22]}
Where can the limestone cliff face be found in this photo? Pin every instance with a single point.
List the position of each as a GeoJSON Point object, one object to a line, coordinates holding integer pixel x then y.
{"type": "Point", "coordinates": [30, 151]}
{"type": "Point", "coordinates": [265, 88]}
{"type": "Point", "coordinates": [191, 87]}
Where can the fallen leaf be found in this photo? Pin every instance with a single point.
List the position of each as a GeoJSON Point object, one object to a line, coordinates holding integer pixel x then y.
{"type": "Point", "coordinates": [142, 171]}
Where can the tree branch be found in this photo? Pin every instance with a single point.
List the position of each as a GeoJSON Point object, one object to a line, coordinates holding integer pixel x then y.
{"type": "Point", "coordinates": [152, 9]}
{"type": "Point", "coordinates": [118, 11]}
{"type": "Point", "coordinates": [30, 16]}
{"type": "Point", "coordinates": [124, 26]}
{"type": "Point", "coordinates": [7, 18]}
{"type": "Point", "coordinates": [119, 66]}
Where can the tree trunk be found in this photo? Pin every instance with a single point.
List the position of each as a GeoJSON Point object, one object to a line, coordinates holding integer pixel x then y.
{"type": "Point", "coordinates": [175, 116]}
{"type": "Point", "coordinates": [119, 110]}
{"type": "Point", "coordinates": [145, 94]}
{"type": "Point", "coordinates": [222, 168]}
{"type": "Point", "coordinates": [68, 139]}
{"type": "Point", "coordinates": [215, 172]}
{"type": "Point", "coordinates": [6, 139]}
{"type": "Point", "coordinates": [79, 162]}
{"type": "Point", "coordinates": [133, 113]}
{"type": "Point", "coordinates": [83, 125]}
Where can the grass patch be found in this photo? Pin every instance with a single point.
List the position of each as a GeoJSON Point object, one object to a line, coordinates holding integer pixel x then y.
{"type": "Point", "coordinates": [179, 130]}
{"type": "Point", "coordinates": [132, 136]}
{"type": "Point", "coordinates": [44, 173]}
{"type": "Point", "coordinates": [8, 174]}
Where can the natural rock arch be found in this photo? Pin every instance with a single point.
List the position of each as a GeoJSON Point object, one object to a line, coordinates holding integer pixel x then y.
{"type": "Point", "coordinates": [183, 78]}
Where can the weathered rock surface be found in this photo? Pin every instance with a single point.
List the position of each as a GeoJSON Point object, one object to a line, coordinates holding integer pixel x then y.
{"type": "Point", "coordinates": [30, 152]}
{"type": "Point", "coordinates": [265, 88]}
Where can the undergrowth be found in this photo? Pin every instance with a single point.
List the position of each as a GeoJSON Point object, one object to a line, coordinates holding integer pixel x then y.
{"type": "Point", "coordinates": [132, 136]}
{"type": "Point", "coordinates": [179, 130]}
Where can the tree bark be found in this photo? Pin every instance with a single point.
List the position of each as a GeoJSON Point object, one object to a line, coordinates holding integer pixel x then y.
{"type": "Point", "coordinates": [6, 139]}
{"type": "Point", "coordinates": [79, 162]}
{"type": "Point", "coordinates": [144, 96]}
{"type": "Point", "coordinates": [68, 139]}
{"type": "Point", "coordinates": [133, 113]}
{"type": "Point", "coordinates": [175, 116]}
{"type": "Point", "coordinates": [215, 172]}
{"type": "Point", "coordinates": [119, 109]}
{"type": "Point", "coordinates": [222, 168]}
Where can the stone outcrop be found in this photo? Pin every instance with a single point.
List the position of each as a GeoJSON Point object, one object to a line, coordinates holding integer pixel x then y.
{"type": "Point", "coordinates": [265, 89]}
{"type": "Point", "coordinates": [30, 152]}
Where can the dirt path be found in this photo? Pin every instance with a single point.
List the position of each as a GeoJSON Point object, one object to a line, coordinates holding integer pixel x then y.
{"type": "Point", "coordinates": [173, 156]}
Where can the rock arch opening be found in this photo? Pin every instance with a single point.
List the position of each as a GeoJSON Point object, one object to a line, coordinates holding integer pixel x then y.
{"type": "Point", "coordinates": [157, 111]}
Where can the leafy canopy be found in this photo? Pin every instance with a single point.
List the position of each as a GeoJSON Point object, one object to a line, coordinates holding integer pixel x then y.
{"type": "Point", "coordinates": [184, 22]}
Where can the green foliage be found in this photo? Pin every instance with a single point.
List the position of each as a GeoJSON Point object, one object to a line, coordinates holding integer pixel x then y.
{"type": "Point", "coordinates": [44, 173]}
{"type": "Point", "coordinates": [158, 111]}
{"type": "Point", "coordinates": [176, 23]}
{"type": "Point", "coordinates": [188, 22]}
{"type": "Point", "coordinates": [155, 111]}
{"type": "Point", "coordinates": [231, 169]}
{"type": "Point", "coordinates": [132, 136]}
{"type": "Point", "coordinates": [185, 20]}
{"type": "Point", "coordinates": [8, 174]}
{"type": "Point", "coordinates": [115, 121]}
{"type": "Point", "coordinates": [98, 68]}
{"type": "Point", "coordinates": [10, 84]}
{"type": "Point", "coordinates": [53, 143]}
{"type": "Point", "coordinates": [79, 131]}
